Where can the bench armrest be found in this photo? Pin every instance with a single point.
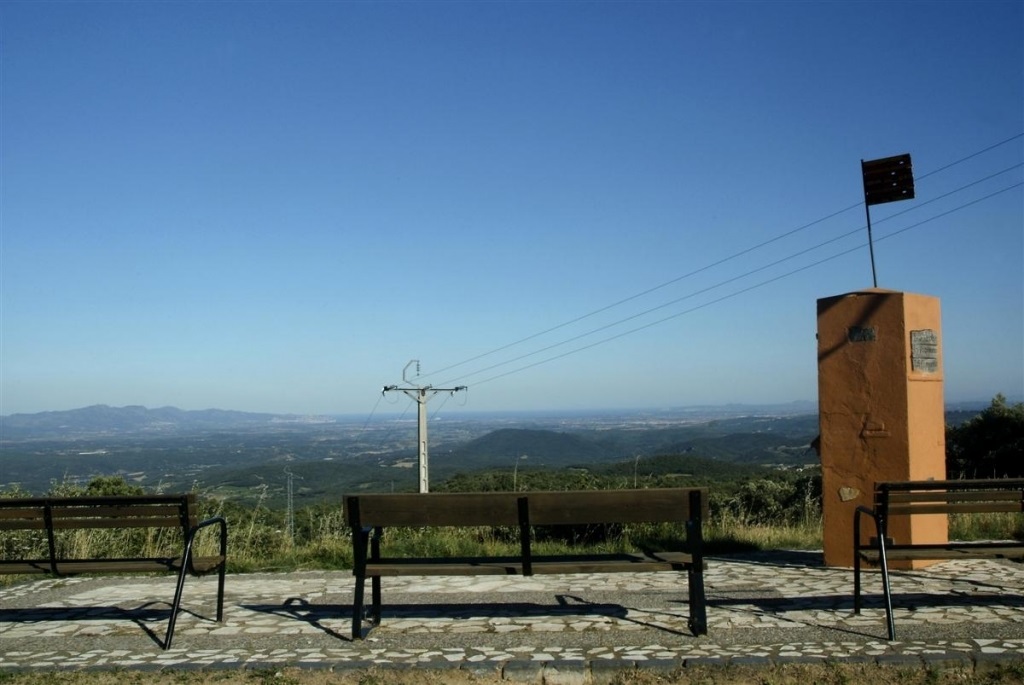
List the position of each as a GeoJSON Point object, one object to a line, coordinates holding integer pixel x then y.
{"type": "Point", "coordinates": [193, 533]}
{"type": "Point", "coordinates": [865, 511]}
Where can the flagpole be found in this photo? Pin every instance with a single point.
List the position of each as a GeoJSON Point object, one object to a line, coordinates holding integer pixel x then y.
{"type": "Point", "coordinates": [871, 242]}
{"type": "Point", "coordinates": [871, 249]}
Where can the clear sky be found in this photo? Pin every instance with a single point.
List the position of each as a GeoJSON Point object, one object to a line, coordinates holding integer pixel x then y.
{"type": "Point", "coordinates": [275, 206]}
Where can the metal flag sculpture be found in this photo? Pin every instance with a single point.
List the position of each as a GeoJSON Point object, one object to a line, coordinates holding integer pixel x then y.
{"type": "Point", "coordinates": [889, 179]}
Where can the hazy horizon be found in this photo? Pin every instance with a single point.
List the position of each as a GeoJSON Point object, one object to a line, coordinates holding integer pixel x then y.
{"type": "Point", "coordinates": [800, 405]}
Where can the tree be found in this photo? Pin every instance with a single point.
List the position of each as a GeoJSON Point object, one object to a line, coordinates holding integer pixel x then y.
{"type": "Point", "coordinates": [991, 445]}
{"type": "Point", "coordinates": [102, 486]}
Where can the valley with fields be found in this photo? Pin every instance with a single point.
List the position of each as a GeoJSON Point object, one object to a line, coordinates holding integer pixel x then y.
{"type": "Point", "coordinates": [250, 457]}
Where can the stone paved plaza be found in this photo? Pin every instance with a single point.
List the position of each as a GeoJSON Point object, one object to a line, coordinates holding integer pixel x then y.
{"type": "Point", "coordinates": [763, 608]}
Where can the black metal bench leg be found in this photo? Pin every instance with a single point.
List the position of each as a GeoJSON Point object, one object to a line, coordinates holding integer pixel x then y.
{"type": "Point", "coordinates": [856, 583]}
{"type": "Point", "coordinates": [698, 602]}
{"type": "Point", "coordinates": [886, 589]}
{"type": "Point", "coordinates": [374, 540]}
{"type": "Point", "coordinates": [175, 605]}
{"type": "Point", "coordinates": [856, 562]}
{"type": "Point", "coordinates": [375, 595]}
{"type": "Point", "coordinates": [357, 608]}
{"type": "Point", "coordinates": [220, 592]}
{"type": "Point", "coordinates": [695, 571]}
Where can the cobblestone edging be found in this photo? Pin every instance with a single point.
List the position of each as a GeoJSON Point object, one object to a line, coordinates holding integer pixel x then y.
{"type": "Point", "coordinates": [516, 662]}
{"type": "Point", "coordinates": [550, 665]}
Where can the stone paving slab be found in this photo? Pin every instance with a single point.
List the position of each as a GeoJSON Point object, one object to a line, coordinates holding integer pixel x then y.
{"type": "Point", "coordinates": [782, 607]}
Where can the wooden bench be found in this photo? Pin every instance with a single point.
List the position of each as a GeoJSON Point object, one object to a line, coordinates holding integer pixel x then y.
{"type": "Point", "coordinates": [910, 498]}
{"type": "Point", "coordinates": [54, 516]}
{"type": "Point", "coordinates": [369, 515]}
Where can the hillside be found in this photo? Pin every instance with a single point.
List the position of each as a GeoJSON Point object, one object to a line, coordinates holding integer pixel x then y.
{"type": "Point", "coordinates": [498, 455]}
{"type": "Point", "coordinates": [503, 447]}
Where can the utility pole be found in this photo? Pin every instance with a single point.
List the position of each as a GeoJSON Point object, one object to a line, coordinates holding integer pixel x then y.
{"type": "Point", "coordinates": [421, 394]}
{"type": "Point", "coordinates": [290, 521]}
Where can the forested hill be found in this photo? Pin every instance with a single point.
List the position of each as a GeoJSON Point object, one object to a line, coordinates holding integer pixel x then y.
{"type": "Point", "coordinates": [751, 440]}
{"type": "Point", "coordinates": [547, 447]}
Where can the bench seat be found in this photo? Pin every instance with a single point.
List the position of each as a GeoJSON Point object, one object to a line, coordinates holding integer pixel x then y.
{"type": "Point", "coordinates": [513, 566]}
{"type": "Point", "coordinates": [953, 550]}
{"type": "Point", "coordinates": [72, 567]}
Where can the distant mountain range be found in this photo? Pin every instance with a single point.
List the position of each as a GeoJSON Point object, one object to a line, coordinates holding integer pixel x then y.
{"type": "Point", "coordinates": [102, 419]}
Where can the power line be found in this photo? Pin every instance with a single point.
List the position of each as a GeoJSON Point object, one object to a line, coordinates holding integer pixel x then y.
{"type": "Point", "coordinates": [733, 279]}
{"type": "Point", "coordinates": [695, 272]}
{"type": "Point", "coordinates": [761, 284]}
{"type": "Point", "coordinates": [744, 290]}
{"type": "Point", "coordinates": [972, 156]}
{"type": "Point", "coordinates": [648, 291]}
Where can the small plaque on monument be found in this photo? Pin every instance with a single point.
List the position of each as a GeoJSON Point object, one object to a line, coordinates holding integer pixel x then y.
{"type": "Point", "coordinates": [859, 334]}
{"type": "Point", "coordinates": [924, 351]}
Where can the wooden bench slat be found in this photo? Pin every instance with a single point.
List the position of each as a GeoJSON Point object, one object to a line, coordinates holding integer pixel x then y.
{"type": "Point", "coordinates": [438, 509]}
{"type": "Point", "coordinates": [955, 496]}
{"type": "Point", "coordinates": [71, 567]}
{"type": "Point", "coordinates": [78, 566]}
{"type": "Point", "coordinates": [967, 484]}
{"type": "Point", "coordinates": [596, 563]}
{"type": "Point", "coordinates": [965, 551]}
{"type": "Point", "coordinates": [955, 508]}
{"type": "Point", "coordinates": [609, 506]}
{"type": "Point", "coordinates": [612, 563]}
{"type": "Point", "coordinates": [501, 566]}
{"type": "Point", "coordinates": [187, 500]}
{"type": "Point", "coordinates": [23, 524]}
{"type": "Point", "coordinates": [72, 510]}
{"type": "Point", "coordinates": [24, 567]}
{"type": "Point", "coordinates": [19, 513]}
{"type": "Point", "coordinates": [81, 523]}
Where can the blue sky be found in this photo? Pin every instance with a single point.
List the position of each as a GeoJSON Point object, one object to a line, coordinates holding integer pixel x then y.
{"type": "Point", "coordinates": [275, 206]}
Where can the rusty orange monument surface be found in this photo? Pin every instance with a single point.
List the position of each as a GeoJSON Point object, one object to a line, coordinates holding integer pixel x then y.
{"type": "Point", "coordinates": [881, 409]}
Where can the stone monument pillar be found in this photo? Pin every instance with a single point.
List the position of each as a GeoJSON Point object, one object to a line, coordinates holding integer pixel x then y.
{"type": "Point", "coordinates": [881, 409]}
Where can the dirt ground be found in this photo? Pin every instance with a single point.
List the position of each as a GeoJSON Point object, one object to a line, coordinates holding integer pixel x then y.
{"type": "Point", "coordinates": [796, 674]}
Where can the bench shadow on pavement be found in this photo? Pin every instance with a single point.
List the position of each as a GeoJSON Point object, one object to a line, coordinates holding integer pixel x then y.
{"type": "Point", "coordinates": [313, 614]}
{"type": "Point", "coordinates": [841, 606]}
{"type": "Point", "coordinates": [320, 615]}
{"type": "Point", "coordinates": [144, 616]}
{"type": "Point", "coordinates": [782, 558]}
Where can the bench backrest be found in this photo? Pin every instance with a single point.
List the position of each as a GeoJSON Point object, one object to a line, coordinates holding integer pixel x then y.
{"type": "Point", "coordinates": [542, 508]}
{"type": "Point", "coordinates": [432, 509]}
{"type": "Point", "coordinates": [618, 506]}
{"type": "Point", "coordinates": [950, 496]}
{"type": "Point", "coordinates": [69, 513]}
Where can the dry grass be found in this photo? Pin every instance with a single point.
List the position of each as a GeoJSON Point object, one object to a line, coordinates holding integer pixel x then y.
{"type": "Point", "coordinates": [992, 526]}
{"type": "Point", "coordinates": [726, 535]}
{"type": "Point", "coordinates": [258, 544]}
